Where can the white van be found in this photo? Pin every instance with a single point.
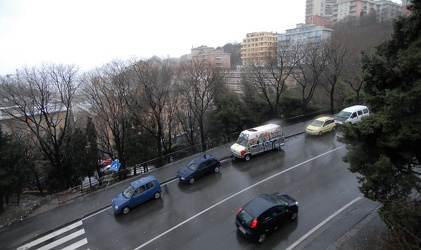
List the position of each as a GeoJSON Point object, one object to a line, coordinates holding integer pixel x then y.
{"type": "Point", "coordinates": [352, 114]}
{"type": "Point", "coordinates": [257, 140]}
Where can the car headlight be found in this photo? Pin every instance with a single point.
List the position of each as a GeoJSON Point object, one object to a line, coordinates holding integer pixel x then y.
{"type": "Point", "coordinates": [182, 178]}
{"type": "Point", "coordinates": [116, 207]}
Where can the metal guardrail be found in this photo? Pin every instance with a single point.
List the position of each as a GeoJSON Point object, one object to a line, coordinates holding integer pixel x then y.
{"type": "Point", "coordinates": [88, 187]}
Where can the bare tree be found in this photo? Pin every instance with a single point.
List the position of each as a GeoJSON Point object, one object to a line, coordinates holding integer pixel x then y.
{"type": "Point", "coordinates": [171, 121]}
{"type": "Point", "coordinates": [149, 98]}
{"type": "Point", "coordinates": [40, 99]}
{"type": "Point", "coordinates": [308, 72]}
{"type": "Point", "coordinates": [269, 79]}
{"type": "Point", "coordinates": [200, 81]}
{"type": "Point", "coordinates": [354, 76]}
{"type": "Point", "coordinates": [339, 52]}
{"type": "Point", "coordinates": [186, 118]}
{"type": "Point", "coordinates": [106, 88]}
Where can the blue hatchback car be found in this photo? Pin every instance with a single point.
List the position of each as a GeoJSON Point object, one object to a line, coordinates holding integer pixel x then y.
{"type": "Point", "coordinates": [136, 193]}
{"type": "Point", "coordinates": [199, 167]}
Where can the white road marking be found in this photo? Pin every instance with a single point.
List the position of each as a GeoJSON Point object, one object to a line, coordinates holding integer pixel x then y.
{"type": "Point", "coordinates": [232, 196]}
{"type": "Point", "coordinates": [76, 244]}
{"type": "Point", "coordinates": [51, 235]}
{"type": "Point", "coordinates": [63, 240]}
{"type": "Point", "coordinates": [322, 223]}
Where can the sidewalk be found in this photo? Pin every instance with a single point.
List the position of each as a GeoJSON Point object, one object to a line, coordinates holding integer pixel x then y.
{"type": "Point", "coordinates": [45, 217]}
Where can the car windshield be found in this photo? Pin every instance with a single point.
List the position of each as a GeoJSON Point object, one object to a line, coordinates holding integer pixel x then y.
{"type": "Point", "coordinates": [242, 141]}
{"type": "Point", "coordinates": [128, 192]}
{"type": "Point", "coordinates": [344, 114]}
{"type": "Point", "coordinates": [192, 165]}
{"type": "Point", "coordinates": [317, 123]}
{"type": "Point", "coordinates": [276, 198]}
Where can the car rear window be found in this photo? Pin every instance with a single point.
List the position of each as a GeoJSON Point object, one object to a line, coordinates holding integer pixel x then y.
{"type": "Point", "coordinates": [245, 217]}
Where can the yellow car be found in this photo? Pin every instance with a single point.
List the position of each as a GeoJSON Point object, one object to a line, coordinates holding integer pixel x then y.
{"type": "Point", "coordinates": [321, 125]}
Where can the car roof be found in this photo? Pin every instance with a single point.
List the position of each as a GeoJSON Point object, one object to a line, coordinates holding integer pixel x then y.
{"type": "Point", "coordinates": [204, 158]}
{"type": "Point", "coordinates": [323, 118]}
{"type": "Point", "coordinates": [259, 205]}
{"type": "Point", "coordinates": [142, 181]}
{"type": "Point", "coordinates": [354, 108]}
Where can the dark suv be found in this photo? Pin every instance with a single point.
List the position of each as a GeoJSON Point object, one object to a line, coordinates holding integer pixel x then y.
{"type": "Point", "coordinates": [198, 167]}
{"type": "Point", "coordinates": [264, 214]}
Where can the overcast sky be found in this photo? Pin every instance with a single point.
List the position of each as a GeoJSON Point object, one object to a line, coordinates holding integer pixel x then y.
{"type": "Point", "coordinates": [91, 33]}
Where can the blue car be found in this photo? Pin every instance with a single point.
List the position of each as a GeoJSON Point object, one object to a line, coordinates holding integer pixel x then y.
{"type": "Point", "coordinates": [199, 167]}
{"type": "Point", "coordinates": [136, 193]}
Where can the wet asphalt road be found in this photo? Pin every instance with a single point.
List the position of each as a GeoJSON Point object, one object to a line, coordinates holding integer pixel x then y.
{"type": "Point", "coordinates": [201, 216]}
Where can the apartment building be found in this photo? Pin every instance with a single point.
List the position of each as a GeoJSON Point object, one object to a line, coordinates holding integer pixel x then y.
{"type": "Point", "coordinates": [259, 47]}
{"type": "Point", "coordinates": [234, 79]}
{"type": "Point", "coordinates": [383, 9]}
{"type": "Point", "coordinates": [304, 34]}
{"type": "Point", "coordinates": [319, 21]}
{"type": "Point", "coordinates": [212, 56]}
{"type": "Point", "coordinates": [13, 122]}
{"type": "Point", "coordinates": [322, 8]}
{"type": "Point", "coordinates": [406, 7]}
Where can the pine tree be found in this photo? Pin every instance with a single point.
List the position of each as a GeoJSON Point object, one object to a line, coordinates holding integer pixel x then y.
{"type": "Point", "coordinates": [385, 148]}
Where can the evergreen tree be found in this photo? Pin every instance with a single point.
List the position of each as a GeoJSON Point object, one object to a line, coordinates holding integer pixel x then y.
{"type": "Point", "coordinates": [228, 117]}
{"type": "Point", "coordinates": [91, 150]}
{"type": "Point", "coordinates": [385, 148]}
{"type": "Point", "coordinates": [78, 152]}
{"type": "Point", "coordinates": [10, 156]}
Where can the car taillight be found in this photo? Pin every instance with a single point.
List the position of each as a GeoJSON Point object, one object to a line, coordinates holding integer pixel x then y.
{"type": "Point", "coordinates": [239, 210]}
{"type": "Point", "coordinates": [243, 152]}
{"type": "Point", "coordinates": [254, 223]}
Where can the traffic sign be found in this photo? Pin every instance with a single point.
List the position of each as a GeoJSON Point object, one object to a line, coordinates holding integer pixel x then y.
{"type": "Point", "coordinates": [115, 166]}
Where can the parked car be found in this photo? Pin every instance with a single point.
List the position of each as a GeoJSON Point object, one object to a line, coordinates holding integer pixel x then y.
{"type": "Point", "coordinates": [199, 167]}
{"type": "Point", "coordinates": [136, 193]}
{"type": "Point", "coordinates": [265, 214]}
{"type": "Point", "coordinates": [321, 125]}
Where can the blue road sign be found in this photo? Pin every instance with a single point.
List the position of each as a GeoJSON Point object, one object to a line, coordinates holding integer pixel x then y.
{"type": "Point", "coordinates": [115, 166]}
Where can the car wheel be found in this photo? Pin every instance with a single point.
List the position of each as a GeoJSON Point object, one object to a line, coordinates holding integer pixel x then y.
{"type": "Point", "coordinates": [216, 169]}
{"type": "Point", "coordinates": [261, 238]}
{"type": "Point", "coordinates": [157, 195]}
{"type": "Point", "coordinates": [334, 128]}
{"type": "Point", "coordinates": [247, 157]}
{"type": "Point", "coordinates": [294, 215]}
{"type": "Point", "coordinates": [191, 181]}
{"type": "Point", "coordinates": [126, 210]}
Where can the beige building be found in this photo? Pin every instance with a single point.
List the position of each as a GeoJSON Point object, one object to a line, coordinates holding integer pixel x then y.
{"type": "Point", "coordinates": [259, 47]}
{"type": "Point", "coordinates": [213, 56]}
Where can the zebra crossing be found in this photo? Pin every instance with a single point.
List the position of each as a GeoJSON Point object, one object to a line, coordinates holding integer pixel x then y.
{"type": "Point", "coordinates": [69, 237]}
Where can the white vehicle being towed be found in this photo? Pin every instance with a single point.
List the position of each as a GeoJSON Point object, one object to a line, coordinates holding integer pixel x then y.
{"type": "Point", "coordinates": [257, 140]}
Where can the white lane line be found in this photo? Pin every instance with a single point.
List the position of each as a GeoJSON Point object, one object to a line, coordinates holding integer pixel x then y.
{"type": "Point", "coordinates": [51, 235]}
{"type": "Point", "coordinates": [63, 240]}
{"type": "Point", "coordinates": [232, 196]}
{"type": "Point", "coordinates": [322, 223]}
{"type": "Point", "coordinates": [98, 212]}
